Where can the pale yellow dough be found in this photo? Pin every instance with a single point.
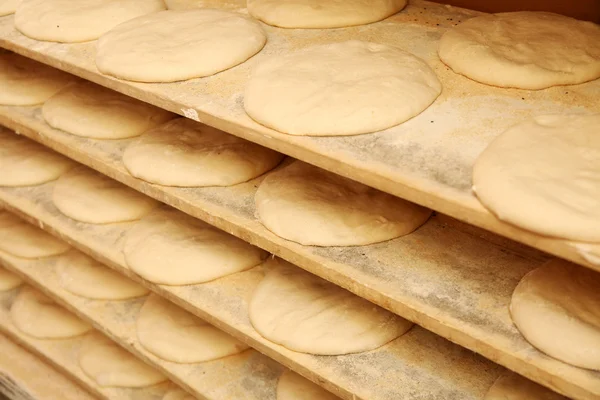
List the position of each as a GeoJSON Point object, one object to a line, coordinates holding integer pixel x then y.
{"type": "Point", "coordinates": [322, 14]}
{"type": "Point", "coordinates": [557, 309]}
{"type": "Point", "coordinates": [173, 334]}
{"type": "Point", "coordinates": [24, 162]}
{"type": "Point", "coordinates": [88, 196]}
{"type": "Point", "coordinates": [177, 45]}
{"type": "Point", "coordinates": [25, 82]}
{"type": "Point", "coordinates": [8, 280]}
{"type": "Point", "coordinates": [292, 386]}
{"type": "Point", "coordinates": [527, 50]}
{"type": "Point", "coordinates": [172, 248]}
{"type": "Point", "coordinates": [88, 110]}
{"type": "Point", "coordinates": [312, 206]}
{"type": "Point", "coordinates": [37, 315]}
{"type": "Point", "coordinates": [22, 239]}
{"type": "Point", "coordinates": [8, 6]}
{"type": "Point", "coordinates": [186, 153]}
{"type": "Point", "coordinates": [111, 366]}
{"type": "Point", "coordinates": [220, 4]}
{"type": "Point", "coordinates": [71, 21]}
{"type": "Point", "coordinates": [178, 394]}
{"type": "Point", "coordinates": [305, 313]}
{"type": "Point", "coordinates": [510, 386]}
{"type": "Point", "coordinates": [544, 175]}
{"type": "Point", "coordinates": [345, 88]}
{"type": "Point", "coordinates": [86, 277]}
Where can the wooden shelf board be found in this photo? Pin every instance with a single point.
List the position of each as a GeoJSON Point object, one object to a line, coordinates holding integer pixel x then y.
{"type": "Point", "coordinates": [427, 160]}
{"type": "Point", "coordinates": [453, 279]}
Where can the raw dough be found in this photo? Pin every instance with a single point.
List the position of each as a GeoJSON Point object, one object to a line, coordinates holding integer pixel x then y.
{"type": "Point", "coordinates": [22, 239]}
{"type": "Point", "coordinates": [322, 14]}
{"type": "Point", "coordinates": [344, 88]}
{"type": "Point", "coordinates": [88, 196]}
{"type": "Point", "coordinates": [173, 334]}
{"type": "Point", "coordinates": [544, 175]}
{"type": "Point", "coordinates": [178, 394]}
{"type": "Point", "coordinates": [89, 110]}
{"type": "Point", "coordinates": [527, 50]}
{"type": "Point", "coordinates": [305, 313]}
{"type": "Point", "coordinates": [177, 45]}
{"type": "Point", "coordinates": [8, 280]}
{"type": "Point", "coordinates": [557, 309]}
{"type": "Point", "coordinates": [312, 206]}
{"type": "Point", "coordinates": [23, 162]}
{"type": "Point", "coordinates": [71, 21]}
{"type": "Point", "coordinates": [511, 386]}
{"type": "Point", "coordinates": [86, 277]}
{"type": "Point", "coordinates": [37, 315]}
{"type": "Point", "coordinates": [187, 153]}
{"type": "Point", "coordinates": [8, 6]}
{"type": "Point", "coordinates": [26, 82]}
{"type": "Point", "coordinates": [292, 386]}
{"type": "Point", "coordinates": [172, 248]}
{"type": "Point", "coordinates": [237, 5]}
{"type": "Point", "coordinates": [111, 366]}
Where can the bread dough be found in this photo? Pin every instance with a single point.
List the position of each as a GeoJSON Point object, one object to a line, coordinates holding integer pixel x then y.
{"type": "Point", "coordinates": [292, 386]}
{"type": "Point", "coordinates": [344, 88]}
{"type": "Point", "coordinates": [86, 277]}
{"type": "Point", "coordinates": [8, 280]}
{"type": "Point", "coordinates": [305, 313]}
{"type": "Point", "coordinates": [173, 334]}
{"type": "Point", "coordinates": [172, 248]}
{"type": "Point", "coordinates": [178, 394]}
{"type": "Point", "coordinates": [69, 21]}
{"type": "Point", "coordinates": [177, 45]}
{"type": "Point", "coordinates": [311, 206]}
{"type": "Point", "coordinates": [88, 196]}
{"type": "Point", "coordinates": [89, 110]}
{"type": "Point", "coordinates": [22, 239]}
{"type": "Point", "coordinates": [8, 7]}
{"type": "Point", "coordinates": [26, 82]}
{"type": "Point", "coordinates": [322, 14]}
{"type": "Point", "coordinates": [23, 162]}
{"type": "Point", "coordinates": [557, 309]}
{"type": "Point", "coordinates": [519, 179]}
{"type": "Point", "coordinates": [111, 366]}
{"type": "Point", "coordinates": [187, 153]}
{"type": "Point", "coordinates": [37, 315]}
{"type": "Point", "coordinates": [527, 50]}
{"type": "Point", "coordinates": [511, 386]}
{"type": "Point", "coordinates": [221, 4]}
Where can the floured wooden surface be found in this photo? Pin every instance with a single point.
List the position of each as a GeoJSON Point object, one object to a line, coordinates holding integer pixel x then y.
{"type": "Point", "coordinates": [249, 375]}
{"type": "Point", "coordinates": [63, 354]}
{"type": "Point", "coordinates": [418, 365]}
{"type": "Point", "coordinates": [23, 376]}
{"type": "Point", "coordinates": [427, 160]}
{"type": "Point", "coordinates": [444, 276]}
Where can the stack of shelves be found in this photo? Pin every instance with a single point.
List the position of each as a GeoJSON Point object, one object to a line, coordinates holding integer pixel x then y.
{"type": "Point", "coordinates": [453, 277]}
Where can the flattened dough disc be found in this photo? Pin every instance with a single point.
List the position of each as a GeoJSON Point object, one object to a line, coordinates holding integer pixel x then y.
{"type": "Point", "coordinates": [8, 280]}
{"type": "Point", "coordinates": [292, 386]}
{"type": "Point", "coordinates": [510, 386]}
{"type": "Point", "coordinates": [8, 6]}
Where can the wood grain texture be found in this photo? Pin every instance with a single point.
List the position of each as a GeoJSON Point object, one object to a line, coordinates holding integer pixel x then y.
{"type": "Point", "coordinates": [426, 160]}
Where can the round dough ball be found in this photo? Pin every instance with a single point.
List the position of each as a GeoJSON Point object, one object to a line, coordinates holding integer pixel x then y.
{"type": "Point", "coordinates": [26, 82]}
{"type": "Point", "coordinates": [89, 110]}
{"type": "Point", "coordinates": [8, 280]}
{"type": "Point", "coordinates": [37, 315]}
{"type": "Point", "coordinates": [344, 88]}
{"type": "Point", "coordinates": [69, 21]}
{"type": "Point", "coordinates": [8, 7]}
{"type": "Point", "coordinates": [22, 239]}
{"type": "Point", "coordinates": [526, 50]}
{"type": "Point", "coordinates": [510, 386]}
{"type": "Point", "coordinates": [86, 277]}
{"type": "Point", "coordinates": [24, 162]}
{"type": "Point", "coordinates": [173, 334]}
{"type": "Point", "coordinates": [305, 313]}
{"type": "Point", "coordinates": [171, 248]}
{"type": "Point", "coordinates": [88, 196]}
{"type": "Point", "coordinates": [177, 45]}
{"type": "Point", "coordinates": [111, 366]}
{"type": "Point", "coordinates": [314, 207]}
{"type": "Point", "coordinates": [178, 394]}
{"type": "Point", "coordinates": [292, 386]}
{"type": "Point", "coordinates": [519, 179]}
{"type": "Point", "coordinates": [187, 153]}
{"type": "Point", "coordinates": [322, 14]}
{"type": "Point", "coordinates": [557, 309]}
